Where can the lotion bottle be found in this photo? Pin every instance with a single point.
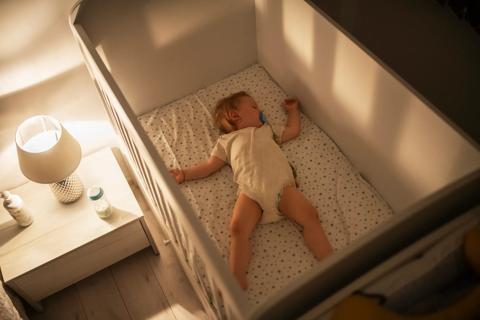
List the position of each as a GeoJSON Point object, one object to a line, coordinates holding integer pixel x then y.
{"type": "Point", "coordinates": [14, 205]}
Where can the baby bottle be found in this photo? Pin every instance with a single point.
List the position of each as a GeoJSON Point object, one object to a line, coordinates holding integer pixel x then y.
{"type": "Point", "coordinates": [14, 205]}
{"type": "Point", "coordinates": [100, 202]}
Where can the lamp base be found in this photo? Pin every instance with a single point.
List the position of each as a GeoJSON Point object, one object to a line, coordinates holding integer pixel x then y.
{"type": "Point", "coordinates": [68, 190]}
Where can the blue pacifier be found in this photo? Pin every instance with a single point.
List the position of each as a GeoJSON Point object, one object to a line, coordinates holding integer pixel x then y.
{"type": "Point", "coordinates": [262, 117]}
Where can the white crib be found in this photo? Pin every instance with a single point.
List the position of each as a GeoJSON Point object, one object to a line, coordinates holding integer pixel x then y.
{"type": "Point", "coordinates": [144, 54]}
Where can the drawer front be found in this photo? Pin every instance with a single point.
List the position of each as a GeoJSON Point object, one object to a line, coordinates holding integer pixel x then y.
{"type": "Point", "coordinates": [81, 263]}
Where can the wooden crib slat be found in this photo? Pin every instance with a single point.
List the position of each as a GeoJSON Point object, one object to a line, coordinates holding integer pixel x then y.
{"type": "Point", "coordinates": [191, 256]}
{"type": "Point", "coordinates": [158, 207]}
{"type": "Point", "coordinates": [216, 298]}
{"type": "Point", "coordinates": [161, 203]}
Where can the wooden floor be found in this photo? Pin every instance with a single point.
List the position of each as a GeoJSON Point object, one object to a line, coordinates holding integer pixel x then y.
{"type": "Point", "coordinates": [142, 286]}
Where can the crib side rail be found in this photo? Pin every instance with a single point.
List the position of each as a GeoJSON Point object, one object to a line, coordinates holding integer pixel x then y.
{"type": "Point", "coordinates": [217, 288]}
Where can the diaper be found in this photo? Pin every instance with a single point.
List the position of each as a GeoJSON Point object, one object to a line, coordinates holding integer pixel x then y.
{"type": "Point", "coordinates": [268, 200]}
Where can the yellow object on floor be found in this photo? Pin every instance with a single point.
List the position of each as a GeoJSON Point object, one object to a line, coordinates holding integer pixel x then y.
{"type": "Point", "coordinates": [359, 307]}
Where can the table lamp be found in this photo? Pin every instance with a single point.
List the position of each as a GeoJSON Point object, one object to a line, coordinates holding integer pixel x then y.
{"type": "Point", "coordinates": [47, 153]}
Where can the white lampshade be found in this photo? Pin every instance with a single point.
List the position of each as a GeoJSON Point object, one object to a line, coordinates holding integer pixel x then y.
{"type": "Point", "coordinates": [47, 153]}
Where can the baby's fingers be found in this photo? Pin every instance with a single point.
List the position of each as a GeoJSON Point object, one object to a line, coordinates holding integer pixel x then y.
{"type": "Point", "coordinates": [177, 175]}
{"type": "Point", "coordinates": [290, 104]}
{"type": "Point", "coordinates": [290, 101]}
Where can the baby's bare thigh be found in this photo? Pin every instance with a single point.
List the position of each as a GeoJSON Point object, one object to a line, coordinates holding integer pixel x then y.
{"type": "Point", "coordinates": [246, 213]}
{"type": "Point", "coordinates": [296, 206]}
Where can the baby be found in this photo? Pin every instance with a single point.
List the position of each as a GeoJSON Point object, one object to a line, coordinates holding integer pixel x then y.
{"type": "Point", "coordinates": [266, 184]}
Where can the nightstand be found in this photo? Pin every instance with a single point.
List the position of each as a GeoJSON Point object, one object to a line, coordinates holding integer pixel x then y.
{"type": "Point", "coordinates": [68, 242]}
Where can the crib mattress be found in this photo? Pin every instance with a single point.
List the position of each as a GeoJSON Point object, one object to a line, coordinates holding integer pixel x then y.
{"type": "Point", "coordinates": [183, 134]}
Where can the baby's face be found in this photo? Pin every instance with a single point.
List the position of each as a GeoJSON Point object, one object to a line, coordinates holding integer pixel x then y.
{"type": "Point", "coordinates": [249, 113]}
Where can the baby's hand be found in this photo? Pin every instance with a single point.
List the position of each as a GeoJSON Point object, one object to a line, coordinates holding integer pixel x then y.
{"type": "Point", "coordinates": [290, 104]}
{"type": "Point", "coordinates": [178, 175]}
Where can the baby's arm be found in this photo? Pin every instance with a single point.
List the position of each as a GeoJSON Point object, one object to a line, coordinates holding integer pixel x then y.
{"type": "Point", "coordinates": [292, 128]}
{"type": "Point", "coordinates": [201, 170]}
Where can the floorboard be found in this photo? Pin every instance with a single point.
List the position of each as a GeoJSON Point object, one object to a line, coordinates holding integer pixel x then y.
{"type": "Point", "coordinates": [140, 289]}
{"type": "Point", "coordinates": [177, 288]}
{"type": "Point", "coordinates": [100, 297]}
{"type": "Point", "coordinates": [65, 305]}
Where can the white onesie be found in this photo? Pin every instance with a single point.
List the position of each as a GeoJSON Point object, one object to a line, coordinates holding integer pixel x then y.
{"type": "Point", "coordinates": [259, 166]}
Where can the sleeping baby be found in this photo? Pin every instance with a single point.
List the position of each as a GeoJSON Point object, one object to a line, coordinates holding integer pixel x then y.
{"type": "Point", "coordinates": [266, 185]}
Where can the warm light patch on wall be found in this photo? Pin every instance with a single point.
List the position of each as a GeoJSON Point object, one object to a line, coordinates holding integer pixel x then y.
{"type": "Point", "coordinates": [23, 74]}
{"type": "Point", "coordinates": [354, 81]}
{"type": "Point", "coordinates": [93, 134]}
{"type": "Point", "coordinates": [297, 23]}
{"type": "Point", "coordinates": [423, 137]}
{"type": "Point", "coordinates": [8, 159]}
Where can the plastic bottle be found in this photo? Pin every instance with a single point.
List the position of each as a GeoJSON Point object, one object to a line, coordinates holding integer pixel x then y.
{"type": "Point", "coordinates": [14, 205]}
{"type": "Point", "coordinates": [100, 202]}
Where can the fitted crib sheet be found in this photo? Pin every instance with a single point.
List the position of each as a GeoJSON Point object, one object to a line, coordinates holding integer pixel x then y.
{"type": "Point", "coordinates": [183, 134]}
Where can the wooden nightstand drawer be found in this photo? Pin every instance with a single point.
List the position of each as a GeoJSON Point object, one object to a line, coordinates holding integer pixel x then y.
{"type": "Point", "coordinates": [82, 262]}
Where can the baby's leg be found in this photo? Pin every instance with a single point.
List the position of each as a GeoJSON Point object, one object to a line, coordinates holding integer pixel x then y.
{"type": "Point", "coordinates": [246, 214]}
{"type": "Point", "coordinates": [295, 206]}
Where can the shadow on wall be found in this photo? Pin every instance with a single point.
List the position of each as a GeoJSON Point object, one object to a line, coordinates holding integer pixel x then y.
{"type": "Point", "coordinates": [401, 146]}
{"type": "Point", "coordinates": [156, 51]}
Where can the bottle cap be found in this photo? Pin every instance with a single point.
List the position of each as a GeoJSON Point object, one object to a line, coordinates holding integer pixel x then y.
{"type": "Point", "coordinates": [95, 192]}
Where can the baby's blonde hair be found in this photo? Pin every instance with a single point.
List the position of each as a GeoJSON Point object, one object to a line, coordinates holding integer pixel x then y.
{"type": "Point", "coordinates": [224, 106]}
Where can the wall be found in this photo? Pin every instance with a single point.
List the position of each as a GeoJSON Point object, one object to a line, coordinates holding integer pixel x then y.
{"type": "Point", "coordinates": [426, 44]}
{"type": "Point", "coordinates": [158, 51]}
{"type": "Point", "coordinates": [42, 72]}
{"type": "Point", "coordinates": [36, 43]}
{"type": "Point", "coordinates": [397, 142]}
